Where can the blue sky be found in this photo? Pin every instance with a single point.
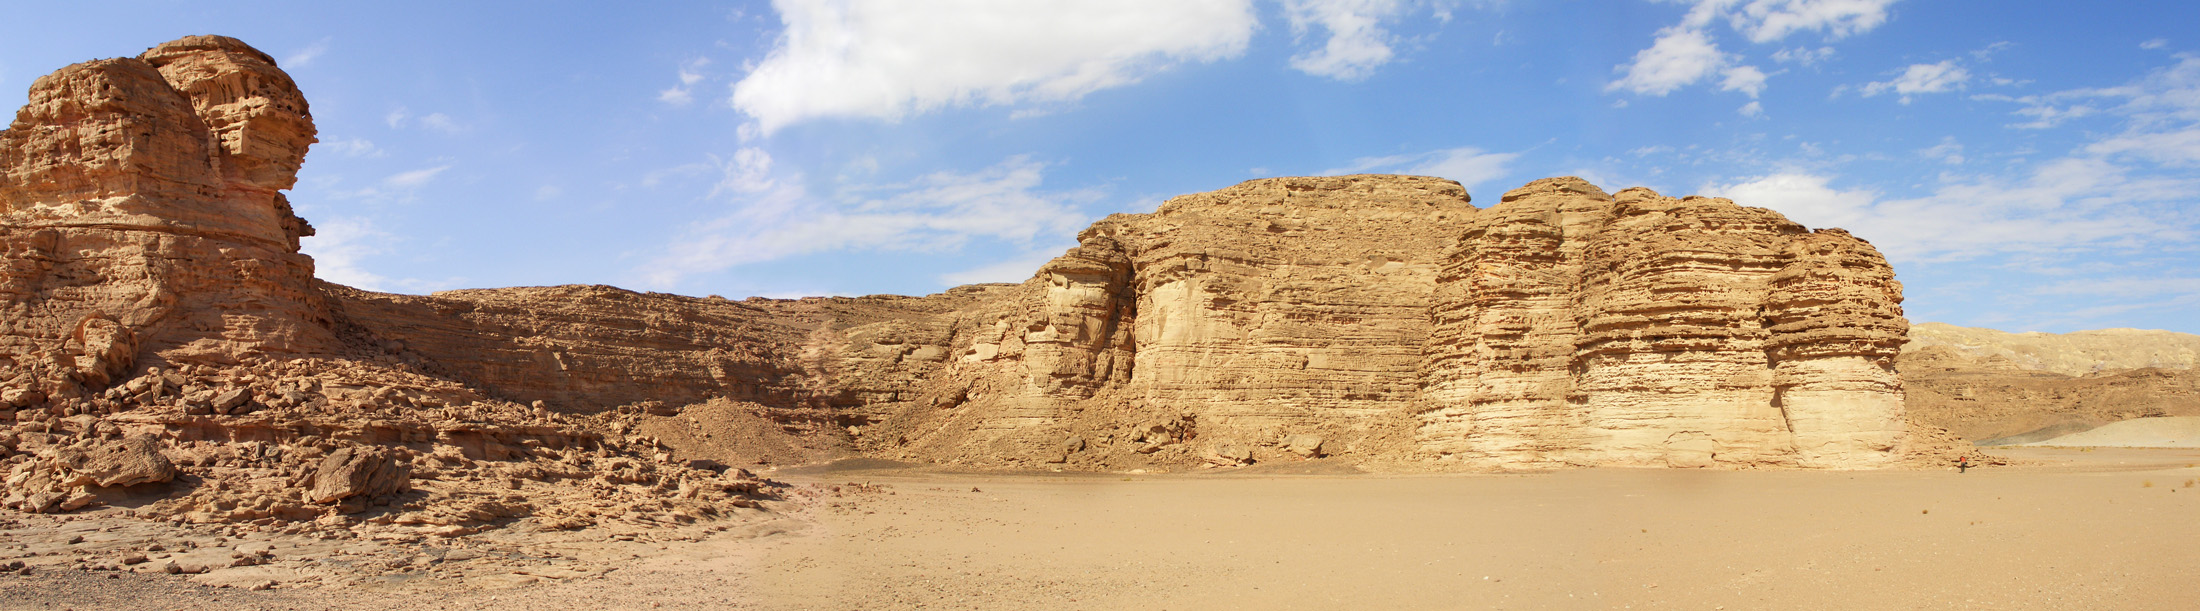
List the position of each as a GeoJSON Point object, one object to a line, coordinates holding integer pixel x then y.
{"type": "Point", "coordinates": [2026, 165]}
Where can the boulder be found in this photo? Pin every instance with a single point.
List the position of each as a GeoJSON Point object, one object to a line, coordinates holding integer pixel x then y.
{"type": "Point", "coordinates": [123, 462]}
{"type": "Point", "coordinates": [359, 471]}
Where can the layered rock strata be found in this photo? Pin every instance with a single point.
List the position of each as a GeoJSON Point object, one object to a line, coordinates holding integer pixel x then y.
{"type": "Point", "coordinates": [1386, 319]}
{"type": "Point", "coordinates": [1576, 327]}
{"type": "Point", "coordinates": [161, 334]}
{"type": "Point", "coordinates": [158, 310]}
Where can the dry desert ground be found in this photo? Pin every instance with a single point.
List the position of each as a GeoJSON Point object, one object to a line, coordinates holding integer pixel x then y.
{"type": "Point", "coordinates": [2061, 529]}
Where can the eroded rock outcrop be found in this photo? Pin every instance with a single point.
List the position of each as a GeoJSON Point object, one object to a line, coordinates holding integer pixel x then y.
{"type": "Point", "coordinates": [2002, 388]}
{"type": "Point", "coordinates": [157, 321]}
{"type": "Point", "coordinates": [1230, 319]}
{"type": "Point", "coordinates": [1576, 327]}
{"type": "Point", "coordinates": [1394, 321]}
{"type": "Point", "coordinates": [157, 309]}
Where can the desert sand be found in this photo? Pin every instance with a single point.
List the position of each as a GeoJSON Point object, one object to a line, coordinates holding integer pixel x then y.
{"type": "Point", "coordinates": [2064, 529]}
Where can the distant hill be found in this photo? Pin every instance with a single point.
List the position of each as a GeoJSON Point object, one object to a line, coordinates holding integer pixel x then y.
{"type": "Point", "coordinates": [1998, 387]}
{"type": "Point", "coordinates": [2076, 353]}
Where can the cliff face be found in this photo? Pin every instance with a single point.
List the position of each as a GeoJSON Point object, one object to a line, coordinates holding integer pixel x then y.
{"type": "Point", "coordinates": [1575, 327]}
{"type": "Point", "coordinates": [155, 302]}
{"type": "Point", "coordinates": [157, 322]}
{"type": "Point", "coordinates": [1386, 319]}
{"type": "Point", "coordinates": [1239, 317]}
{"type": "Point", "coordinates": [143, 218]}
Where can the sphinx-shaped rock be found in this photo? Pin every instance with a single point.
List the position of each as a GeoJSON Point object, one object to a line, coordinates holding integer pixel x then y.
{"type": "Point", "coordinates": [157, 178]}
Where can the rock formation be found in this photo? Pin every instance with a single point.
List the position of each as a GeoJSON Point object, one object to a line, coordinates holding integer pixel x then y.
{"type": "Point", "coordinates": [158, 327]}
{"type": "Point", "coordinates": [2072, 354]}
{"type": "Point", "coordinates": [157, 309]}
{"type": "Point", "coordinates": [1576, 327]}
{"type": "Point", "coordinates": [1998, 388]}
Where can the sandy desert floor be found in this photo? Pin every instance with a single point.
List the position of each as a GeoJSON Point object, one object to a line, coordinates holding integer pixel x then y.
{"type": "Point", "coordinates": [2071, 529]}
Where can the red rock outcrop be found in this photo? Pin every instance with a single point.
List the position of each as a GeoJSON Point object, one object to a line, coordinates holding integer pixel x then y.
{"type": "Point", "coordinates": [156, 320]}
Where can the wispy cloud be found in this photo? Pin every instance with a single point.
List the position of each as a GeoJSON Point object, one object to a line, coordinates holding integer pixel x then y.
{"type": "Point", "coordinates": [343, 249]}
{"type": "Point", "coordinates": [691, 72]}
{"type": "Point", "coordinates": [1359, 41]}
{"type": "Point", "coordinates": [304, 57]}
{"type": "Point", "coordinates": [2127, 190]}
{"type": "Point", "coordinates": [402, 117]}
{"type": "Point", "coordinates": [1017, 269]}
{"type": "Point", "coordinates": [415, 178]}
{"type": "Point", "coordinates": [1918, 79]}
{"type": "Point", "coordinates": [885, 60]}
{"type": "Point", "coordinates": [352, 147]}
{"type": "Point", "coordinates": [1468, 165]}
{"type": "Point", "coordinates": [340, 245]}
{"type": "Point", "coordinates": [442, 123]}
{"type": "Point", "coordinates": [775, 216]}
{"type": "Point", "coordinates": [1685, 54]}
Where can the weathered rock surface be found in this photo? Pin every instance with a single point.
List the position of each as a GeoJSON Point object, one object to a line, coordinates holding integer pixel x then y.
{"type": "Point", "coordinates": [1563, 326]}
{"type": "Point", "coordinates": [2072, 354]}
{"type": "Point", "coordinates": [1994, 387]}
{"type": "Point", "coordinates": [157, 324]}
{"type": "Point", "coordinates": [359, 471]}
{"type": "Point", "coordinates": [156, 308]}
{"type": "Point", "coordinates": [1575, 327]}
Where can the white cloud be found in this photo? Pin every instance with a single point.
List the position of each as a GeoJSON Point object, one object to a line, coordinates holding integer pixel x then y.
{"type": "Point", "coordinates": [1468, 165]}
{"type": "Point", "coordinates": [548, 192]}
{"type": "Point", "coordinates": [1018, 269]}
{"type": "Point", "coordinates": [415, 178]}
{"type": "Point", "coordinates": [1358, 42]}
{"type": "Point", "coordinates": [397, 118]}
{"type": "Point", "coordinates": [1679, 58]}
{"type": "Point", "coordinates": [1684, 54]}
{"type": "Point", "coordinates": [352, 147]}
{"type": "Point", "coordinates": [1922, 78]}
{"type": "Point", "coordinates": [682, 94]}
{"type": "Point", "coordinates": [442, 123]}
{"type": "Point", "coordinates": [1948, 151]}
{"type": "Point", "coordinates": [2046, 116]}
{"type": "Point", "coordinates": [1745, 79]}
{"type": "Point", "coordinates": [2176, 148]}
{"type": "Point", "coordinates": [1752, 109]}
{"type": "Point", "coordinates": [304, 57]}
{"type": "Point", "coordinates": [339, 246]}
{"type": "Point", "coordinates": [884, 59]}
{"type": "Point", "coordinates": [1803, 55]}
{"type": "Point", "coordinates": [2064, 205]}
{"type": "Point", "coordinates": [342, 247]}
{"type": "Point", "coordinates": [2158, 43]}
{"type": "Point", "coordinates": [776, 217]}
{"type": "Point", "coordinates": [1771, 20]}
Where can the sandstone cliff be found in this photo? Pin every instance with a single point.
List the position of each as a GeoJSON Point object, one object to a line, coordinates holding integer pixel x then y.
{"type": "Point", "coordinates": [1576, 327]}
{"type": "Point", "coordinates": [158, 313]}
{"type": "Point", "coordinates": [160, 334]}
{"type": "Point", "coordinates": [1386, 320]}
